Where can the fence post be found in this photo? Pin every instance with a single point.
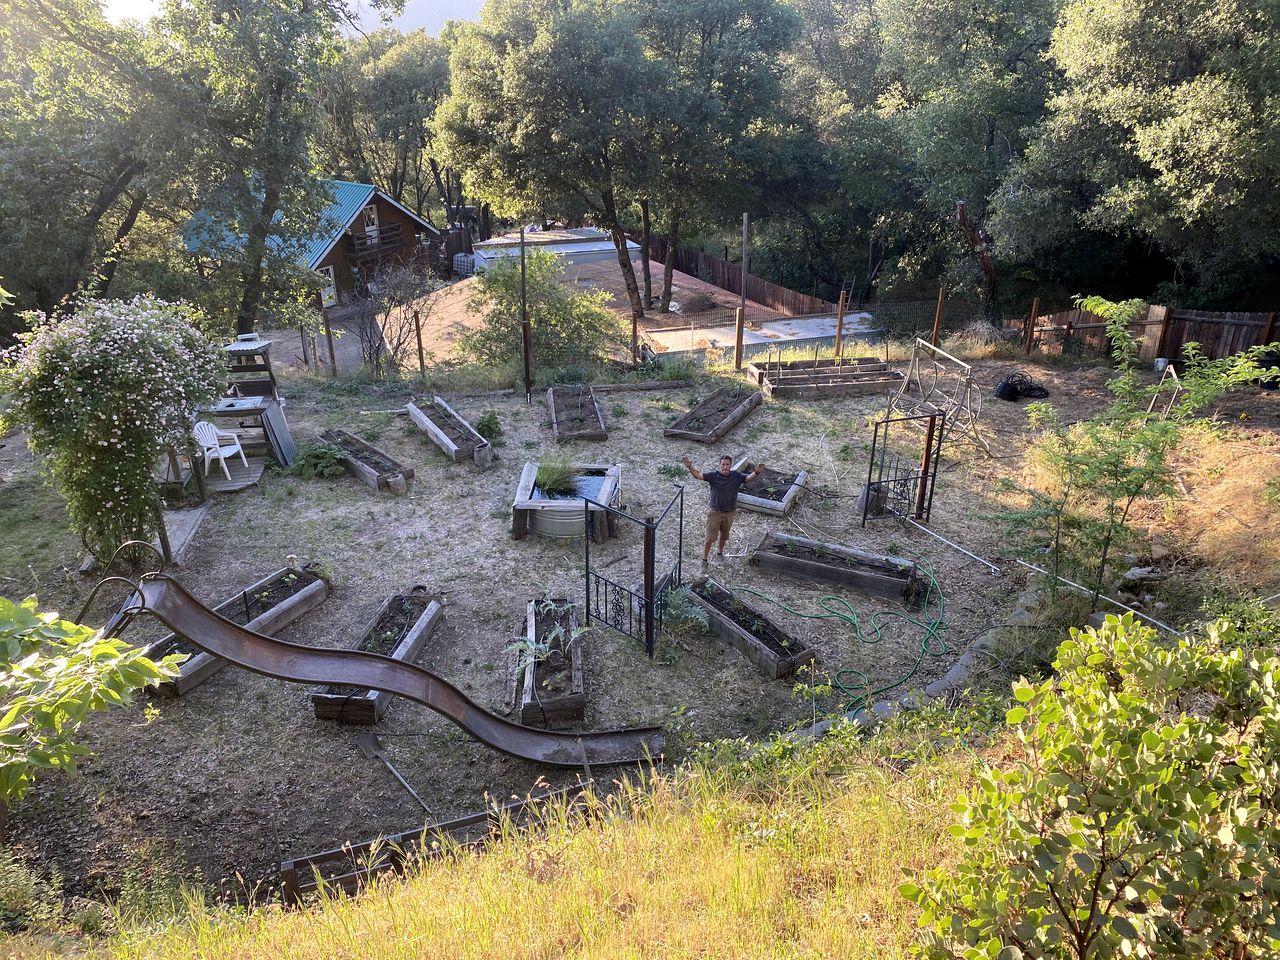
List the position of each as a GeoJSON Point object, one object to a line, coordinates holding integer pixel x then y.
{"type": "Point", "coordinates": [328, 336]}
{"type": "Point", "coordinates": [937, 316]}
{"type": "Point", "coordinates": [417, 330]}
{"type": "Point", "coordinates": [650, 542]}
{"type": "Point", "coordinates": [1270, 332]}
{"type": "Point", "coordinates": [739, 321]}
{"type": "Point", "coordinates": [840, 325]}
{"type": "Point", "coordinates": [1031, 325]}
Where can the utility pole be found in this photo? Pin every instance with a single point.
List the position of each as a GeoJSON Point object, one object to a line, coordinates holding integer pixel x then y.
{"type": "Point", "coordinates": [746, 252]}
{"type": "Point", "coordinates": [526, 333]}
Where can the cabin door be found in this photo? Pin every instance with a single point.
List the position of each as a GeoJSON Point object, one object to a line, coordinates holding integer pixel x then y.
{"type": "Point", "coordinates": [370, 219]}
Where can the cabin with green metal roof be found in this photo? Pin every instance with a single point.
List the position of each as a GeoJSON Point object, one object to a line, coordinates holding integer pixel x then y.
{"type": "Point", "coordinates": [362, 229]}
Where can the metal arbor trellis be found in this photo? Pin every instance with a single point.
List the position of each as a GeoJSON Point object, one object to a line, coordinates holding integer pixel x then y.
{"type": "Point", "coordinates": [635, 610]}
{"type": "Point", "coordinates": [937, 382]}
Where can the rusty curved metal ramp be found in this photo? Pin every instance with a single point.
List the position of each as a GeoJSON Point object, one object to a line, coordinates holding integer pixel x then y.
{"type": "Point", "coordinates": [168, 601]}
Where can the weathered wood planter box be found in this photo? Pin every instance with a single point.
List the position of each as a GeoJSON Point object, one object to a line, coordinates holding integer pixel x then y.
{"type": "Point", "coordinates": [773, 492]}
{"type": "Point", "coordinates": [399, 630]}
{"type": "Point", "coordinates": [575, 414]}
{"type": "Point", "coordinates": [265, 607]}
{"type": "Point", "coordinates": [450, 431]}
{"type": "Point", "coordinates": [562, 516]}
{"type": "Point", "coordinates": [760, 368]}
{"type": "Point", "coordinates": [351, 865]}
{"type": "Point", "coordinates": [775, 653]}
{"type": "Point", "coordinates": [715, 416]}
{"type": "Point", "coordinates": [552, 688]}
{"type": "Point", "coordinates": [809, 385]}
{"type": "Point", "coordinates": [367, 463]}
{"type": "Point", "coordinates": [873, 573]}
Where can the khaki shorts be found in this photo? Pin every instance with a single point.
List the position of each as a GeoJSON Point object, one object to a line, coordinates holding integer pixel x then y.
{"type": "Point", "coordinates": [718, 524]}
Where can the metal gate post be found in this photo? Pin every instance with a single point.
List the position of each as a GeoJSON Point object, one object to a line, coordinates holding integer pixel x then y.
{"type": "Point", "coordinates": [650, 541]}
{"type": "Point", "coordinates": [586, 558]}
{"type": "Point", "coordinates": [922, 489]}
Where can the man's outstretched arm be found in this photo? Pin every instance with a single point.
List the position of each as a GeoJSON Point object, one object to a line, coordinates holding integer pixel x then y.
{"type": "Point", "coordinates": [759, 469]}
{"type": "Point", "coordinates": [693, 471]}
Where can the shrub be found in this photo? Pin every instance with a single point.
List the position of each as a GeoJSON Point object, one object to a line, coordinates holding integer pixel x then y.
{"type": "Point", "coordinates": [569, 325]}
{"type": "Point", "coordinates": [1139, 816]}
{"type": "Point", "coordinates": [100, 393]}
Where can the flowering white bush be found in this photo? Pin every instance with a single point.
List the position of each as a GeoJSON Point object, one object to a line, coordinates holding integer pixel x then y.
{"type": "Point", "coordinates": [100, 393]}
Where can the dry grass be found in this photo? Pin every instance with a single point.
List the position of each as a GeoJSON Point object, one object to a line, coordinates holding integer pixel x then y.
{"type": "Point", "coordinates": [798, 857]}
{"type": "Point", "coordinates": [1230, 510]}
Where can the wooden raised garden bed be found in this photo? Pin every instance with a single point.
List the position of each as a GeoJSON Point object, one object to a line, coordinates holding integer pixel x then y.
{"type": "Point", "coordinates": [715, 416]}
{"type": "Point", "coordinates": [367, 463]}
{"type": "Point", "coordinates": [575, 414]}
{"type": "Point", "coordinates": [534, 512]}
{"type": "Point", "coordinates": [773, 492]}
{"type": "Point", "coordinates": [873, 573]}
{"type": "Point", "coordinates": [265, 607]}
{"type": "Point", "coordinates": [399, 630]}
{"type": "Point", "coordinates": [450, 431]}
{"type": "Point", "coordinates": [551, 687]}
{"type": "Point", "coordinates": [775, 653]}
{"type": "Point", "coordinates": [351, 865]}
{"type": "Point", "coordinates": [760, 368]}
{"type": "Point", "coordinates": [804, 384]}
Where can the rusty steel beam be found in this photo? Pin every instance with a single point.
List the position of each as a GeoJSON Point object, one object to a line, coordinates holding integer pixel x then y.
{"type": "Point", "coordinates": [167, 600]}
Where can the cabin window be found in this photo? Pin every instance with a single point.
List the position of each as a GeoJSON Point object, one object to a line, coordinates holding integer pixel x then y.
{"type": "Point", "coordinates": [329, 295]}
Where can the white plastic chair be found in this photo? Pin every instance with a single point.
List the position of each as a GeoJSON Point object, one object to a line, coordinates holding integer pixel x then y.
{"type": "Point", "coordinates": [217, 443]}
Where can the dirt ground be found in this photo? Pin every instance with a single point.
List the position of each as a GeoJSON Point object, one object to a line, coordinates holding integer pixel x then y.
{"type": "Point", "coordinates": [238, 774]}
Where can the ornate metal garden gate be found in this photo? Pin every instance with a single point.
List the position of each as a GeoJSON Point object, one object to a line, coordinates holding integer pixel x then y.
{"type": "Point", "coordinates": [636, 610]}
{"type": "Point", "coordinates": [900, 484]}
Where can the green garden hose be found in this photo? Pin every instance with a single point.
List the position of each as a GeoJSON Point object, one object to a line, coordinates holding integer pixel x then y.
{"type": "Point", "coordinates": [852, 683]}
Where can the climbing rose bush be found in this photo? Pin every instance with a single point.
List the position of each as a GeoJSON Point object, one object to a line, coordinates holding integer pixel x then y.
{"type": "Point", "coordinates": [100, 393]}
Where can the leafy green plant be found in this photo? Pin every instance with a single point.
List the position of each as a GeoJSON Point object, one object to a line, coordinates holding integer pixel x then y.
{"type": "Point", "coordinates": [490, 427]}
{"type": "Point", "coordinates": [680, 615]}
{"type": "Point", "coordinates": [53, 675]}
{"type": "Point", "coordinates": [100, 393]}
{"type": "Point", "coordinates": [672, 471]}
{"type": "Point", "coordinates": [320, 458]}
{"type": "Point", "coordinates": [1137, 817]}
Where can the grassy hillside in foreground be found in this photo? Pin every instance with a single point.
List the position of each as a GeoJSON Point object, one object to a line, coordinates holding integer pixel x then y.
{"type": "Point", "coordinates": [796, 852]}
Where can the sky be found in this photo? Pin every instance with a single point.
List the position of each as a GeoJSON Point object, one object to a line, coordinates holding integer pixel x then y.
{"type": "Point", "coordinates": [430, 14]}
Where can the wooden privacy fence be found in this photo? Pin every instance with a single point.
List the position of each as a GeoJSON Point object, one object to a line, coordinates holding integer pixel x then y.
{"type": "Point", "coordinates": [1161, 331]}
{"type": "Point", "coordinates": [728, 276]}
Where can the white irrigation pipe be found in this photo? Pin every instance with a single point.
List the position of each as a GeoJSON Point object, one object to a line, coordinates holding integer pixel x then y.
{"type": "Point", "coordinates": [955, 546]}
{"type": "Point", "coordinates": [1137, 613]}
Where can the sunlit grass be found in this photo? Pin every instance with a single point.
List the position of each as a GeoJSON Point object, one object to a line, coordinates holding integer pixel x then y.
{"type": "Point", "coordinates": [796, 852]}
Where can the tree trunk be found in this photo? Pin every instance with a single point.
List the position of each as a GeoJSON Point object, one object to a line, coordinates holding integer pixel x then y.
{"type": "Point", "coordinates": [254, 273]}
{"type": "Point", "coordinates": [628, 271]}
{"type": "Point", "coordinates": [112, 259]}
{"type": "Point", "coordinates": [668, 266]}
{"type": "Point", "coordinates": [645, 230]}
{"type": "Point", "coordinates": [78, 263]}
{"type": "Point", "coordinates": [980, 244]}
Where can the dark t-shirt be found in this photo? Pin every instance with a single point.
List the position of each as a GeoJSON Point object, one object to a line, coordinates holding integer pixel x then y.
{"type": "Point", "coordinates": [724, 488]}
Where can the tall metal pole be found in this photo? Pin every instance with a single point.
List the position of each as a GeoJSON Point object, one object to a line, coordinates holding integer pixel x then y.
{"type": "Point", "coordinates": [746, 252]}
{"type": "Point", "coordinates": [526, 333]}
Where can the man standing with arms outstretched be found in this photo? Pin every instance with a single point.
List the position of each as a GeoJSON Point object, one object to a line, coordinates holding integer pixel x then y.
{"type": "Point", "coordinates": [725, 483]}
